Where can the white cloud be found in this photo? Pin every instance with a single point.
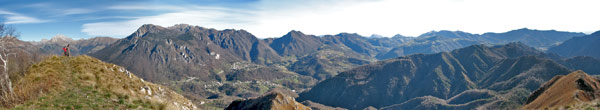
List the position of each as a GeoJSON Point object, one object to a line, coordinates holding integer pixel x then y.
{"type": "Point", "coordinates": [183, 7]}
{"type": "Point", "coordinates": [39, 5]}
{"type": "Point", "coordinates": [145, 7]}
{"type": "Point", "coordinates": [74, 11]}
{"type": "Point", "coordinates": [59, 10]}
{"type": "Point", "coordinates": [16, 18]}
{"type": "Point", "coordinates": [274, 18]}
{"type": "Point", "coordinates": [107, 17]}
{"type": "Point", "coordinates": [206, 18]}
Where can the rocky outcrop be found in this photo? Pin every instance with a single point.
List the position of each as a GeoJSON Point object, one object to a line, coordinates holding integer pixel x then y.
{"type": "Point", "coordinates": [269, 101]}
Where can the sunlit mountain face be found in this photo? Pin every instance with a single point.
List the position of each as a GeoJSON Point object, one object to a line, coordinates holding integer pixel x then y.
{"type": "Point", "coordinates": [299, 55]}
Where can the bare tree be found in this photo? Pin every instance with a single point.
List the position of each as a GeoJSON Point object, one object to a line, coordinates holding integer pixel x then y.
{"type": "Point", "coordinates": [8, 31]}
{"type": "Point", "coordinates": [5, 82]}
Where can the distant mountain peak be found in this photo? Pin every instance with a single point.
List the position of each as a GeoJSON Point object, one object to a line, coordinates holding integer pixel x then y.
{"type": "Point", "coordinates": [146, 28]}
{"type": "Point", "coordinates": [294, 34]}
{"type": "Point", "coordinates": [521, 30]}
{"type": "Point", "coordinates": [530, 30]}
{"type": "Point", "coordinates": [59, 38]}
{"type": "Point", "coordinates": [185, 27]}
{"type": "Point", "coordinates": [446, 33]}
{"type": "Point", "coordinates": [525, 28]}
{"type": "Point", "coordinates": [180, 26]}
{"type": "Point", "coordinates": [376, 36]}
{"type": "Point", "coordinates": [345, 34]}
{"type": "Point", "coordinates": [597, 33]}
{"type": "Point", "coordinates": [296, 42]}
{"type": "Point", "coordinates": [399, 36]}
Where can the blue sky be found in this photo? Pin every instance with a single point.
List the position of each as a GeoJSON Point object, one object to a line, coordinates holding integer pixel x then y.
{"type": "Point", "coordinates": [37, 19]}
{"type": "Point", "coordinates": [273, 18]}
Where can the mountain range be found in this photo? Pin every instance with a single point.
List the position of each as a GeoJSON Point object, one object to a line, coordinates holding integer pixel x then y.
{"type": "Point", "coordinates": [206, 63]}
{"type": "Point", "coordinates": [436, 70]}
{"type": "Point", "coordinates": [477, 76]}
{"type": "Point", "coordinates": [440, 41]}
{"type": "Point", "coordinates": [77, 47]}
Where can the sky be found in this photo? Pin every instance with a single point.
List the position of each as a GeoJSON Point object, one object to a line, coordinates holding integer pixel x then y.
{"type": "Point", "coordinates": [41, 19]}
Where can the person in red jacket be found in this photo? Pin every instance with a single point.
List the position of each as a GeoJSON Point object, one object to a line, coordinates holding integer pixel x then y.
{"type": "Point", "coordinates": [66, 51]}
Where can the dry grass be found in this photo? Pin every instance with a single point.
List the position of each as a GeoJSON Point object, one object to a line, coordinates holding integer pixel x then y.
{"type": "Point", "coordinates": [565, 90]}
{"type": "Point", "coordinates": [45, 80]}
{"type": "Point", "coordinates": [86, 82]}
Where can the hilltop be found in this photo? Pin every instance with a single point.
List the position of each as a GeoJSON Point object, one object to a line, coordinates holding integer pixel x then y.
{"type": "Point", "coordinates": [562, 90]}
{"type": "Point", "coordinates": [85, 82]}
{"type": "Point", "coordinates": [269, 101]}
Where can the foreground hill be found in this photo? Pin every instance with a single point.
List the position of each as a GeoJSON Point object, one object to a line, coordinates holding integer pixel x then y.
{"type": "Point", "coordinates": [473, 77]}
{"type": "Point", "coordinates": [85, 82]}
{"type": "Point", "coordinates": [579, 46]}
{"type": "Point", "coordinates": [562, 90]}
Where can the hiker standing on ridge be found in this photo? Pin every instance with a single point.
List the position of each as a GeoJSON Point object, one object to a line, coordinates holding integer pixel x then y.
{"type": "Point", "coordinates": [66, 51]}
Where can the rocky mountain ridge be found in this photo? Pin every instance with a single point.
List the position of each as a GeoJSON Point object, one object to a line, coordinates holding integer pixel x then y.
{"type": "Point", "coordinates": [269, 101]}
{"type": "Point", "coordinates": [562, 90]}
